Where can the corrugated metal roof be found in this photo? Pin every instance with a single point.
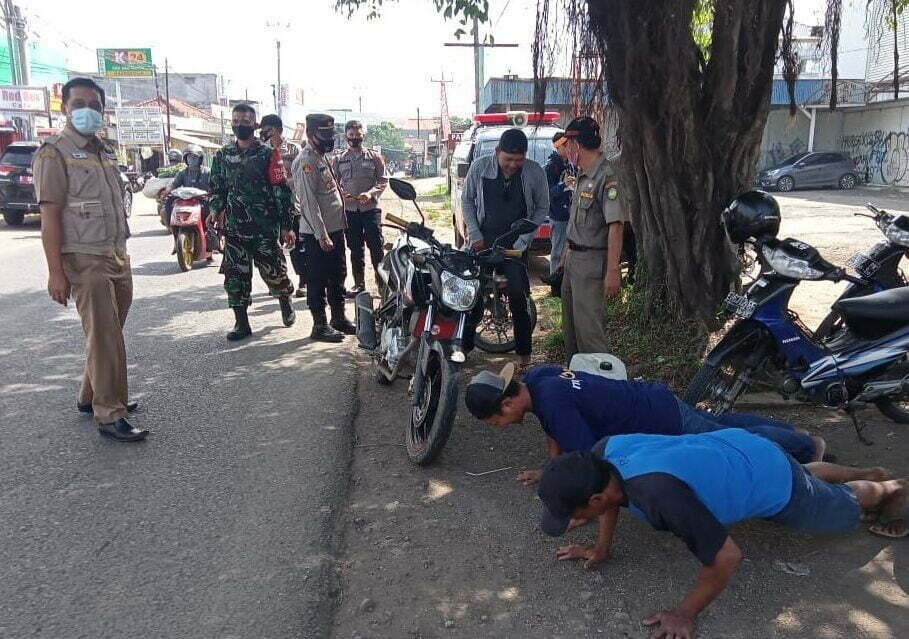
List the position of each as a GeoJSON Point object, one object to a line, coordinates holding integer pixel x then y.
{"type": "Point", "coordinates": [501, 91]}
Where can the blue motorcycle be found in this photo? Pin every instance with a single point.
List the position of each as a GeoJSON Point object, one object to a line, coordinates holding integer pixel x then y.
{"type": "Point", "coordinates": [878, 267]}
{"type": "Point", "coordinates": [864, 363]}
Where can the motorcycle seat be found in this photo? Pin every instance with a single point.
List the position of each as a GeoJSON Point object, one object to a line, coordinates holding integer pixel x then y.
{"type": "Point", "coordinates": [892, 305]}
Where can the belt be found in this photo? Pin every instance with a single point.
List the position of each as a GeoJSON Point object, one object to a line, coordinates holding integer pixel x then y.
{"type": "Point", "coordinates": [581, 247]}
{"type": "Point", "coordinates": [366, 211]}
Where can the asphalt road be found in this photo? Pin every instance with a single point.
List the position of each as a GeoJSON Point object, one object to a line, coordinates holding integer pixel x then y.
{"type": "Point", "coordinates": [222, 523]}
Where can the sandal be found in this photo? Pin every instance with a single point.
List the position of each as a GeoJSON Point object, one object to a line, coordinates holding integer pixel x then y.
{"type": "Point", "coordinates": [884, 523]}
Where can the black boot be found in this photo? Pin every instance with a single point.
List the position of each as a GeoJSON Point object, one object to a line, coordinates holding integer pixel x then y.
{"type": "Point", "coordinates": [241, 328]}
{"type": "Point", "coordinates": [358, 288]}
{"type": "Point", "coordinates": [287, 311]}
{"type": "Point", "coordinates": [321, 331]}
{"type": "Point", "coordinates": [339, 321]}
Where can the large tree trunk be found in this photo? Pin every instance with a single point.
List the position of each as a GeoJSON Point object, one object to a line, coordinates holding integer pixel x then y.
{"type": "Point", "coordinates": [691, 132]}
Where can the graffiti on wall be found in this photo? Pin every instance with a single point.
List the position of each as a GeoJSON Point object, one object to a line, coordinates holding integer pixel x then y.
{"type": "Point", "coordinates": [882, 157]}
{"type": "Point", "coordinates": [779, 151]}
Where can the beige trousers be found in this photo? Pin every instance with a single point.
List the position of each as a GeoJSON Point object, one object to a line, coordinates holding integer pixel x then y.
{"type": "Point", "coordinates": [103, 291]}
{"type": "Point", "coordinates": [583, 303]}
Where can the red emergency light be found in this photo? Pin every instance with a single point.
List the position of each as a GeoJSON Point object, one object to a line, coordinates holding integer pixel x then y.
{"type": "Point", "coordinates": [517, 118]}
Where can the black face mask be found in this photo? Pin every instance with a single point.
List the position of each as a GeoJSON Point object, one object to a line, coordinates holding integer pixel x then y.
{"type": "Point", "coordinates": [243, 131]}
{"type": "Point", "coordinates": [355, 143]}
{"type": "Point", "coordinates": [324, 146]}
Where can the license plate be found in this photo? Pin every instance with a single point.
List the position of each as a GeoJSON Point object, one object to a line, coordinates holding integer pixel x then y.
{"type": "Point", "coordinates": [739, 305]}
{"type": "Point", "coordinates": [863, 265]}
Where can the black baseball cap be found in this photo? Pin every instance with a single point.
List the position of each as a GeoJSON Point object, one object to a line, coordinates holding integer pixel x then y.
{"type": "Point", "coordinates": [584, 129]}
{"type": "Point", "coordinates": [316, 121]}
{"type": "Point", "coordinates": [485, 391]}
{"type": "Point", "coordinates": [567, 483]}
{"type": "Point", "coordinates": [272, 120]}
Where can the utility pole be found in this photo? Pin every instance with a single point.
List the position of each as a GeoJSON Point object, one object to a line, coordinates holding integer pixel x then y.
{"type": "Point", "coordinates": [278, 90]}
{"type": "Point", "coordinates": [444, 120]}
{"type": "Point", "coordinates": [361, 106]}
{"type": "Point", "coordinates": [167, 97]}
{"type": "Point", "coordinates": [479, 75]}
{"type": "Point", "coordinates": [22, 37]}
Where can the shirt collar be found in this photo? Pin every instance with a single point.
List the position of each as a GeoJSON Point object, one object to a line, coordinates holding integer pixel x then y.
{"type": "Point", "coordinates": [597, 165]}
{"type": "Point", "coordinates": [77, 138]}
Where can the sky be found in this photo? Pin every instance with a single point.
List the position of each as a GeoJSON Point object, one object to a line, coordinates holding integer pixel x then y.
{"type": "Point", "coordinates": [390, 62]}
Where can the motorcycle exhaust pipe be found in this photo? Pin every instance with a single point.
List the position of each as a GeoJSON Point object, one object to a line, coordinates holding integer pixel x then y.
{"type": "Point", "coordinates": [877, 390]}
{"type": "Point", "coordinates": [366, 323]}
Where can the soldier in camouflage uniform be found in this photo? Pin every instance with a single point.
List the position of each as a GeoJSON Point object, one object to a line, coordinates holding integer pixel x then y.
{"type": "Point", "coordinates": [256, 213]}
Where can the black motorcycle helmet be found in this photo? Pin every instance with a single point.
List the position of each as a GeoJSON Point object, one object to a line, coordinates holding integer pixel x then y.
{"type": "Point", "coordinates": [752, 214]}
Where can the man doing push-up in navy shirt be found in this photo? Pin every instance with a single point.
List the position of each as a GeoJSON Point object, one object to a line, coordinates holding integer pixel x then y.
{"type": "Point", "coordinates": [578, 409]}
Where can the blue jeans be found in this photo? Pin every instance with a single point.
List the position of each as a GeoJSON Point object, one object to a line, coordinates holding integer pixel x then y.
{"type": "Point", "coordinates": [818, 507]}
{"type": "Point", "coordinates": [559, 232]}
{"type": "Point", "coordinates": [797, 444]}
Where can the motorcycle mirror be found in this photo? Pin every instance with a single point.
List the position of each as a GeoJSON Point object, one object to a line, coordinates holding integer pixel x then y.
{"type": "Point", "coordinates": [402, 189]}
{"type": "Point", "coordinates": [523, 226]}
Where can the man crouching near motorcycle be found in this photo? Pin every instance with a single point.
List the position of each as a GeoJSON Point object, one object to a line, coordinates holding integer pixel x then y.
{"type": "Point", "coordinates": [196, 175]}
{"type": "Point", "coordinates": [499, 190]}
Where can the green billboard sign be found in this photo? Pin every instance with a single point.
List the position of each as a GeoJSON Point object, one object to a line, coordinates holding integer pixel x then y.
{"type": "Point", "coordinates": [125, 63]}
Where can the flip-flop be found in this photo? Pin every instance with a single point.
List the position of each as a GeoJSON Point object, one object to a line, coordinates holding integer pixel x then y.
{"type": "Point", "coordinates": [883, 522]}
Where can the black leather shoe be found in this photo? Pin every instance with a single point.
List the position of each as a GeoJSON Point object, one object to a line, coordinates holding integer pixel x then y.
{"type": "Point", "coordinates": [325, 333]}
{"type": "Point", "coordinates": [122, 431]}
{"type": "Point", "coordinates": [343, 325]}
{"type": "Point", "coordinates": [241, 329]}
{"type": "Point", "coordinates": [288, 316]}
{"type": "Point", "coordinates": [356, 290]}
{"type": "Point", "coordinates": [131, 407]}
{"type": "Point", "coordinates": [301, 292]}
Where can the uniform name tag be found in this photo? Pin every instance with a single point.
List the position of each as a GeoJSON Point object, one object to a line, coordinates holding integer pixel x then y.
{"type": "Point", "coordinates": [587, 195]}
{"type": "Point", "coordinates": [233, 159]}
{"type": "Point", "coordinates": [79, 155]}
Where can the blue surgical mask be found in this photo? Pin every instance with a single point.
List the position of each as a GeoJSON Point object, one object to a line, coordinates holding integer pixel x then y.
{"type": "Point", "coordinates": [86, 120]}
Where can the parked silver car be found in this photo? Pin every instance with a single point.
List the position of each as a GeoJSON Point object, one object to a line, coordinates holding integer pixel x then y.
{"type": "Point", "coordinates": [806, 170]}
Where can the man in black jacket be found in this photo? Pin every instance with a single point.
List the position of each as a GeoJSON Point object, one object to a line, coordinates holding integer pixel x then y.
{"type": "Point", "coordinates": [560, 175]}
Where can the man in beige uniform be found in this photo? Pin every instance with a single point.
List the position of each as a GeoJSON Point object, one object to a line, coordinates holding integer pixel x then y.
{"type": "Point", "coordinates": [595, 228]}
{"type": "Point", "coordinates": [361, 176]}
{"type": "Point", "coordinates": [322, 225]}
{"type": "Point", "coordinates": [84, 231]}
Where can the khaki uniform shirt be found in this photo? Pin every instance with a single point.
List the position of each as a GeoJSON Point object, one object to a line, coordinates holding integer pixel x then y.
{"type": "Point", "coordinates": [595, 205]}
{"type": "Point", "coordinates": [80, 173]}
{"type": "Point", "coordinates": [360, 171]}
{"type": "Point", "coordinates": [318, 194]}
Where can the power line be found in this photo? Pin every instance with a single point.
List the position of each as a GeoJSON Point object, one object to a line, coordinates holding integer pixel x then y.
{"type": "Point", "coordinates": [501, 13]}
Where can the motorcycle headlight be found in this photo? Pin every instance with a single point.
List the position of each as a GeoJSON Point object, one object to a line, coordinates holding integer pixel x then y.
{"type": "Point", "coordinates": [897, 235]}
{"type": "Point", "coordinates": [458, 294]}
{"type": "Point", "coordinates": [789, 266]}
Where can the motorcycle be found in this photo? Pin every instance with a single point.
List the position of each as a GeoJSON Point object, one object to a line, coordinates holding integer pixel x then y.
{"type": "Point", "coordinates": [136, 181]}
{"type": "Point", "coordinates": [879, 267]}
{"type": "Point", "coordinates": [864, 364]}
{"type": "Point", "coordinates": [187, 223]}
{"type": "Point", "coordinates": [428, 290]}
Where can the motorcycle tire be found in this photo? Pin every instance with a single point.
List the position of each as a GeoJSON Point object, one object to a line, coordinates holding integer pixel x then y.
{"type": "Point", "coordinates": [432, 419]}
{"type": "Point", "coordinates": [186, 250]}
{"type": "Point", "coordinates": [711, 378]}
{"type": "Point", "coordinates": [506, 345]}
{"type": "Point", "coordinates": [128, 202]}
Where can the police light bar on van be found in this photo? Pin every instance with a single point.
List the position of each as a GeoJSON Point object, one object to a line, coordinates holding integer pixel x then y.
{"type": "Point", "coordinates": [517, 118]}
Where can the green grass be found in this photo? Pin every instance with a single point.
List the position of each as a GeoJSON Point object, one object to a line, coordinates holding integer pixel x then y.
{"type": "Point", "coordinates": [646, 335]}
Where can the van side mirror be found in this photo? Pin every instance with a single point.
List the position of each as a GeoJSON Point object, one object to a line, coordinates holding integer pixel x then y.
{"type": "Point", "coordinates": [463, 167]}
